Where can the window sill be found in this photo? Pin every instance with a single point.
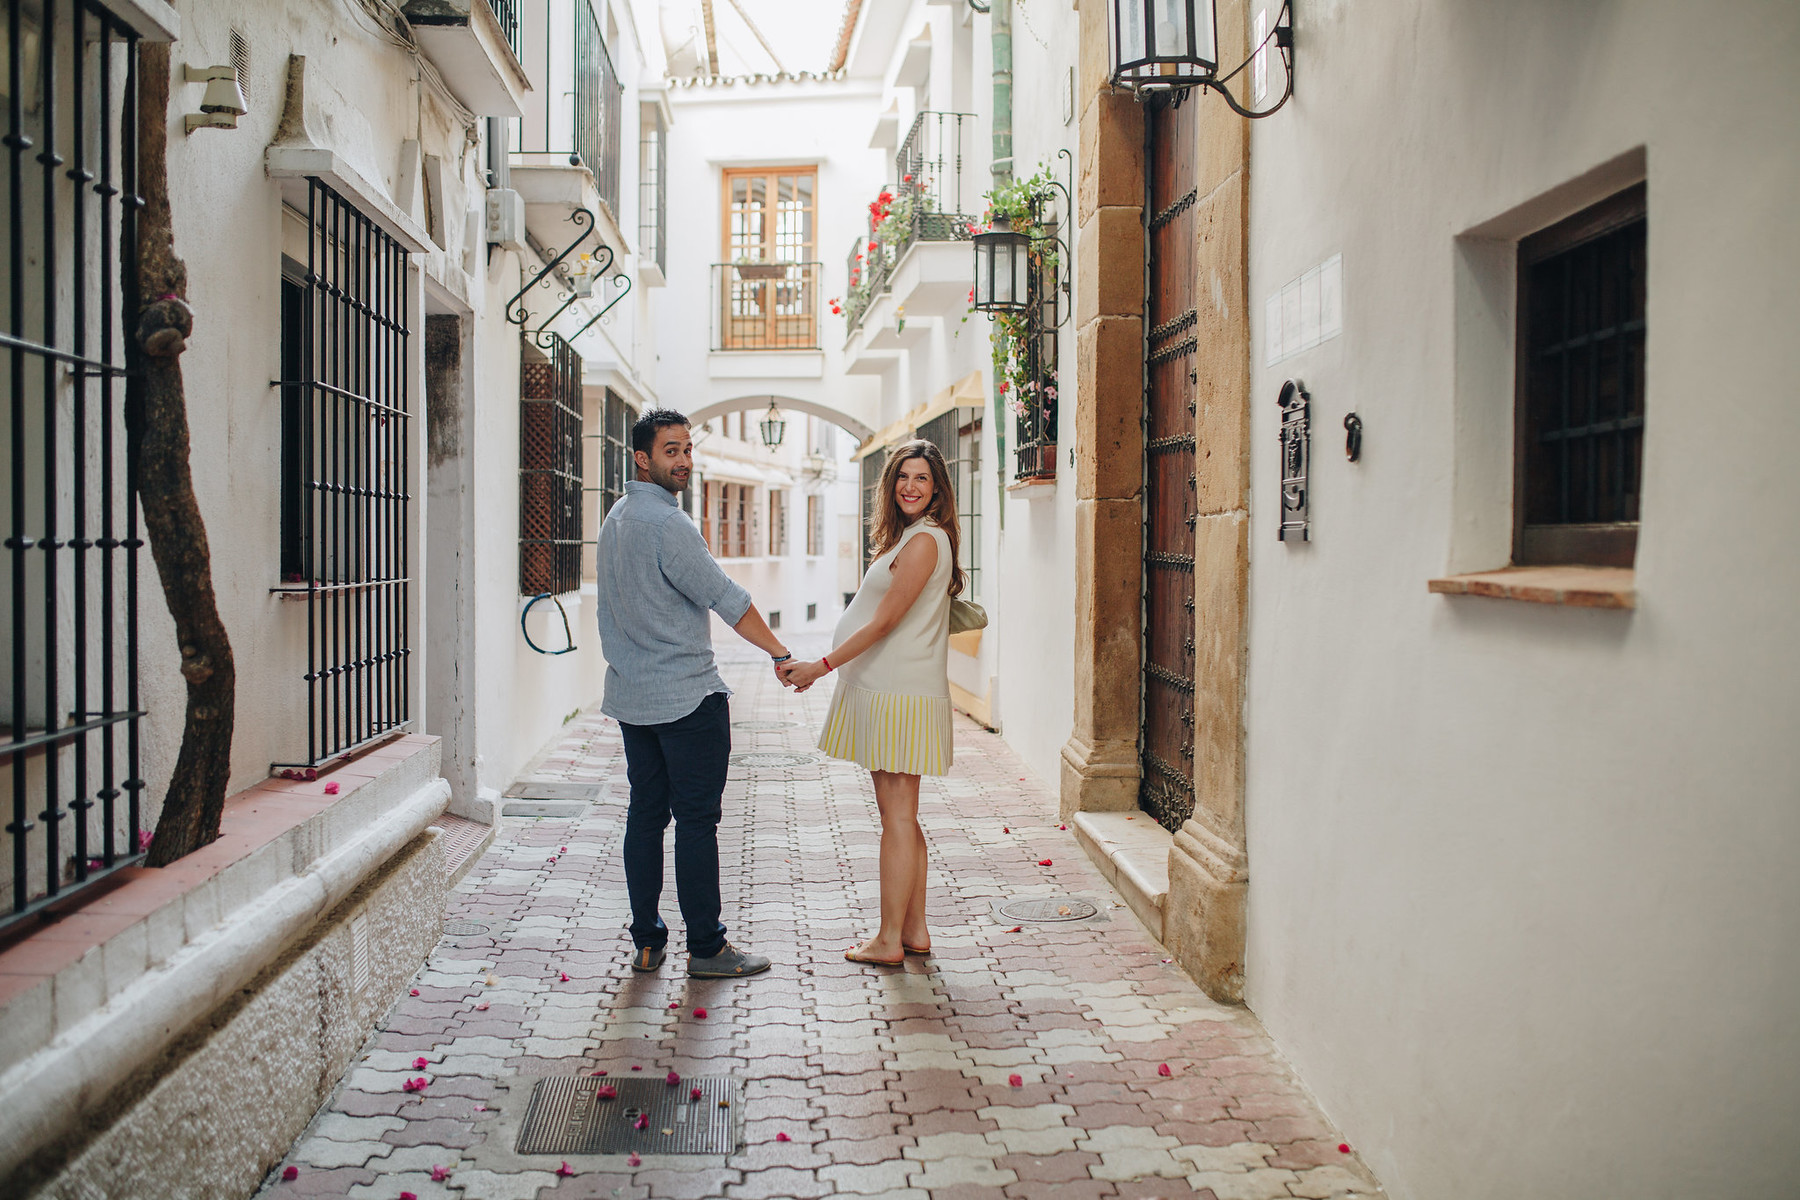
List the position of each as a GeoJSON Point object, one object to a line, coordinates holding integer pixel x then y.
{"type": "Point", "coordinates": [1576, 587]}
{"type": "Point", "coordinates": [1038, 487]}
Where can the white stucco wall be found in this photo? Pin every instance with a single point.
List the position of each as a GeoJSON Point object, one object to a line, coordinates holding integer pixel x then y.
{"type": "Point", "coordinates": [1522, 909]}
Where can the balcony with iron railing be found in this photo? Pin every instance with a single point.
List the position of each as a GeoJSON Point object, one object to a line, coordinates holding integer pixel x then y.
{"type": "Point", "coordinates": [475, 46]}
{"type": "Point", "coordinates": [566, 147]}
{"type": "Point", "coordinates": [908, 257]}
{"type": "Point", "coordinates": [765, 305]}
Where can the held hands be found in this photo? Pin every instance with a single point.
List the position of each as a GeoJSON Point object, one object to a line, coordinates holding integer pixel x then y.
{"type": "Point", "coordinates": [801, 675]}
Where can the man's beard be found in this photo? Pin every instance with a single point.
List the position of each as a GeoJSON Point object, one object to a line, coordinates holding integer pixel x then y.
{"type": "Point", "coordinates": [665, 479]}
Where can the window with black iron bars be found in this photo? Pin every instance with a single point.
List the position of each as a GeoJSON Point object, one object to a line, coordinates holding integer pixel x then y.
{"type": "Point", "coordinates": [346, 505]}
{"type": "Point", "coordinates": [69, 719]}
{"type": "Point", "coordinates": [550, 467]}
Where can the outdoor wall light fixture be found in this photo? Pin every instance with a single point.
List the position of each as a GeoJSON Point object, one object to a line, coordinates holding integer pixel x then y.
{"type": "Point", "coordinates": [223, 102]}
{"type": "Point", "coordinates": [1002, 269]}
{"type": "Point", "coordinates": [773, 426]}
{"type": "Point", "coordinates": [1173, 45]}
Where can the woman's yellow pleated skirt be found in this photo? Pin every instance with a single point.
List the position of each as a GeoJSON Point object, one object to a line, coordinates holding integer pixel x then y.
{"type": "Point", "coordinates": [886, 731]}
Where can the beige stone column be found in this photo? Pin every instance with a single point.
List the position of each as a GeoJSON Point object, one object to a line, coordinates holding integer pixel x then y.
{"type": "Point", "coordinates": [1203, 921]}
{"type": "Point", "coordinates": [1100, 762]}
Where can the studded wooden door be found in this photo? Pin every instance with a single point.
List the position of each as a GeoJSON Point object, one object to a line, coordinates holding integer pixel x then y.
{"type": "Point", "coordinates": [1166, 736]}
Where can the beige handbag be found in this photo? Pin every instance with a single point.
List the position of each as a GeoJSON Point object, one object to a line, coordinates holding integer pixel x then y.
{"type": "Point", "coordinates": [966, 615]}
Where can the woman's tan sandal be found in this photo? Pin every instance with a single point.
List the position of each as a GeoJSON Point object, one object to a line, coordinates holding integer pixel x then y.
{"type": "Point", "coordinates": [851, 955]}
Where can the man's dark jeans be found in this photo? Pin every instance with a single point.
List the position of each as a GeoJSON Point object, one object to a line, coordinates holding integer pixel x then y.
{"type": "Point", "coordinates": [677, 769]}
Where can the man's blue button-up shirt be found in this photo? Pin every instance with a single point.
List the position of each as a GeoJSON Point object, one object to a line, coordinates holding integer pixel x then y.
{"type": "Point", "coordinates": [656, 582]}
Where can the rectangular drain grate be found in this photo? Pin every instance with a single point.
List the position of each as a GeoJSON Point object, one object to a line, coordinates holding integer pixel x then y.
{"type": "Point", "coordinates": [588, 792]}
{"type": "Point", "coordinates": [565, 1116]}
{"type": "Point", "coordinates": [539, 808]}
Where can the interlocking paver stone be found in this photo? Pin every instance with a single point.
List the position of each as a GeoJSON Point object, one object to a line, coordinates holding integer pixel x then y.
{"type": "Point", "coordinates": [888, 1084]}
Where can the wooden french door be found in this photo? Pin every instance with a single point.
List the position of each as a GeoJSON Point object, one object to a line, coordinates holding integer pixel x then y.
{"type": "Point", "coordinates": [1166, 734]}
{"type": "Point", "coordinates": [769, 273]}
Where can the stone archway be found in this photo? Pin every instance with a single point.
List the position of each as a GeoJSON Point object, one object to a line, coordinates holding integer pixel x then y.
{"type": "Point", "coordinates": [843, 420]}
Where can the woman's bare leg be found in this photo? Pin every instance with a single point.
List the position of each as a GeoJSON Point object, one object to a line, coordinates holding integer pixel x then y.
{"type": "Point", "coordinates": [902, 867]}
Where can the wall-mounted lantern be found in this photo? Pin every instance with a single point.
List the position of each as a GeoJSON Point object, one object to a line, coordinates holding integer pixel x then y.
{"type": "Point", "coordinates": [223, 102]}
{"type": "Point", "coordinates": [1173, 45]}
{"type": "Point", "coordinates": [773, 426]}
{"type": "Point", "coordinates": [1002, 269]}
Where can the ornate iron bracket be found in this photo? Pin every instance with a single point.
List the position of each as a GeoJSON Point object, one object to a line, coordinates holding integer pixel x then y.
{"type": "Point", "coordinates": [624, 283]}
{"type": "Point", "coordinates": [600, 270]}
{"type": "Point", "coordinates": [1296, 433]}
{"type": "Point", "coordinates": [522, 314]}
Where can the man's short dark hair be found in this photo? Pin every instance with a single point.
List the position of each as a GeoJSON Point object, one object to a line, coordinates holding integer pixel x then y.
{"type": "Point", "coordinates": [644, 431]}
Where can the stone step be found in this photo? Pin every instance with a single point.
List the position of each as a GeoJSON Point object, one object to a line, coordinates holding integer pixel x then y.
{"type": "Point", "coordinates": [1132, 851]}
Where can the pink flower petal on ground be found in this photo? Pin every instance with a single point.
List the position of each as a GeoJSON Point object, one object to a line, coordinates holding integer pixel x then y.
{"type": "Point", "coordinates": [439, 1174]}
{"type": "Point", "coordinates": [606, 1091]}
{"type": "Point", "coordinates": [290, 1173]}
{"type": "Point", "coordinates": [1343, 1147]}
{"type": "Point", "coordinates": [331, 789]}
{"type": "Point", "coordinates": [635, 1067]}
{"type": "Point", "coordinates": [1006, 829]}
{"type": "Point", "coordinates": [552, 858]}
{"type": "Point", "coordinates": [1062, 826]}
{"type": "Point", "coordinates": [1044, 862]}
{"type": "Point", "coordinates": [409, 1196]}
{"type": "Point", "coordinates": [1014, 1081]}
{"type": "Point", "coordinates": [565, 1170]}
{"type": "Point", "coordinates": [562, 977]}
{"type": "Point", "coordinates": [414, 992]}
{"type": "Point", "coordinates": [420, 1063]}
{"type": "Point", "coordinates": [694, 1094]}
{"type": "Point", "coordinates": [1016, 929]}
{"type": "Point", "coordinates": [782, 1137]}
{"type": "Point", "coordinates": [642, 1123]}
{"type": "Point", "coordinates": [1164, 1071]}
{"type": "Point", "coordinates": [674, 1004]}
{"type": "Point", "coordinates": [562, 849]}
{"type": "Point", "coordinates": [672, 1079]}
{"type": "Point", "coordinates": [634, 1160]}
{"type": "Point", "coordinates": [481, 1108]}
{"type": "Point", "coordinates": [482, 1007]}
{"type": "Point", "coordinates": [699, 1014]}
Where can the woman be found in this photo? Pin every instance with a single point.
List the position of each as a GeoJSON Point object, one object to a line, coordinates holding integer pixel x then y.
{"type": "Point", "coordinates": [891, 711]}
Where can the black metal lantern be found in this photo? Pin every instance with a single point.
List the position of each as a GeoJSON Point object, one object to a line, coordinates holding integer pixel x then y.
{"type": "Point", "coordinates": [1173, 45]}
{"type": "Point", "coordinates": [1002, 269]}
{"type": "Point", "coordinates": [1164, 44]}
{"type": "Point", "coordinates": [773, 426]}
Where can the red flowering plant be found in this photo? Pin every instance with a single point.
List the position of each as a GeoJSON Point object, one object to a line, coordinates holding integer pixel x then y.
{"type": "Point", "coordinates": [892, 219]}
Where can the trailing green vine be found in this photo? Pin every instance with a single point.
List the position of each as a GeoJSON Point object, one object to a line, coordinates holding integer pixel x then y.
{"type": "Point", "coordinates": [1023, 202]}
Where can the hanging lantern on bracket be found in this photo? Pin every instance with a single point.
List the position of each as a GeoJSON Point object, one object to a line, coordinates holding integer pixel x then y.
{"type": "Point", "coordinates": [1002, 269]}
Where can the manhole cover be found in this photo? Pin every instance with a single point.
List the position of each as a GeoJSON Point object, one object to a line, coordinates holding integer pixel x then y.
{"type": "Point", "coordinates": [772, 760]}
{"type": "Point", "coordinates": [1045, 911]}
{"type": "Point", "coordinates": [565, 1116]}
{"type": "Point", "coordinates": [538, 808]}
{"type": "Point", "coordinates": [554, 791]}
{"type": "Point", "coordinates": [764, 726]}
{"type": "Point", "coordinates": [465, 929]}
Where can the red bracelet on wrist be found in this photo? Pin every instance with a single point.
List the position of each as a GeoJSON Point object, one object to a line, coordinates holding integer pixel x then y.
{"type": "Point", "coordinates": [827, 663]}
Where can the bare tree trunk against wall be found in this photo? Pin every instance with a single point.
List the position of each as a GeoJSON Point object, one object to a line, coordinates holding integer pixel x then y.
{"type": "Point", "coordinates": [196, 798]}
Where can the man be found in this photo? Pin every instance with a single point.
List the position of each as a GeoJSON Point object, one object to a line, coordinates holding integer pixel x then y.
{"type": "Point", "coordinates": [656, 582]}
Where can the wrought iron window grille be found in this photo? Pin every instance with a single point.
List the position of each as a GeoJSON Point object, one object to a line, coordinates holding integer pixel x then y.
{"type": "Point", "coordinates": [346, 540]}
{"type": "Point", "coordinates": [70, 750]}
{"type": "Point", "coordinates": [653, 189]}
{"type": "Point", "coordinates": [550, 468]}
{"type": "Point", "coordinates": [1580, 404]}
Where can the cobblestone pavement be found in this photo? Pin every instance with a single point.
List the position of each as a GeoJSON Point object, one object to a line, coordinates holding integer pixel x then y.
{"type": "Point", "coordinates": [1019, 1061]}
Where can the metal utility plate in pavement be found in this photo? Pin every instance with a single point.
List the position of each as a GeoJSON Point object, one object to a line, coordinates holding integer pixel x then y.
{"type": "Point", "coordinates": [772, 760]}
{"type": "Point", "coordinates": [764, 726]}
{"type": "Point", "coordinates": [539, 808]}
{"type": "Point", "coordinates": [566, 1116]}
{"type": "Point", "coordinates": [589, 792]}
{"type": "Point", "coordinates": [465, 929]}
{"type": "Point", "coordinates": [1046, 910]}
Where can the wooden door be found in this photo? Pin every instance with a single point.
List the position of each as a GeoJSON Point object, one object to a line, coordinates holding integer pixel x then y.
{"type": "Point", "coordinates": [769, 272]}
{"type": "Point", "coordinates": [1166, 735]}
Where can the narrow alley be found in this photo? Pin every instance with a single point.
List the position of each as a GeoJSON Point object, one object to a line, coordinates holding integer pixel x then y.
{"type": "Point", "coordinates": [1029, 1056]}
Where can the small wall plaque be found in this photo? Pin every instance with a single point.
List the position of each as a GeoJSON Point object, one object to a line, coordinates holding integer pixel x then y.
{"type": "Point", "coordinates": [1296, 431]}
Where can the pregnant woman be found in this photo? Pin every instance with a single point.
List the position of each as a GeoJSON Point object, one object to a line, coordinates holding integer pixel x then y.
{"type": "Point", "coordinates": [891, 711]}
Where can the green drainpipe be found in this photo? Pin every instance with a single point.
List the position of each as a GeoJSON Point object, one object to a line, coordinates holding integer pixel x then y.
{"type": "Point", "coordinates": [1000, 15]}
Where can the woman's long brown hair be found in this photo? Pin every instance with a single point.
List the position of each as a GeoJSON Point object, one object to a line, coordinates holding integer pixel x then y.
{"type": "Point", "coordinates": [887, 523]}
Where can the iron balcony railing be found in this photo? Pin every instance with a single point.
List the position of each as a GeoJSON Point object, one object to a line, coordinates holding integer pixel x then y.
{"type": "Point", "coordinates": [506, 13]}
{"type": "Point", "coordinates": [584, 103]}
{"type": "Point", "coordinates": [765, 306]}
{"type": "Point", "coordinates": [930, 198]}
{"type": "Point", "coordinates": [70, 776]}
